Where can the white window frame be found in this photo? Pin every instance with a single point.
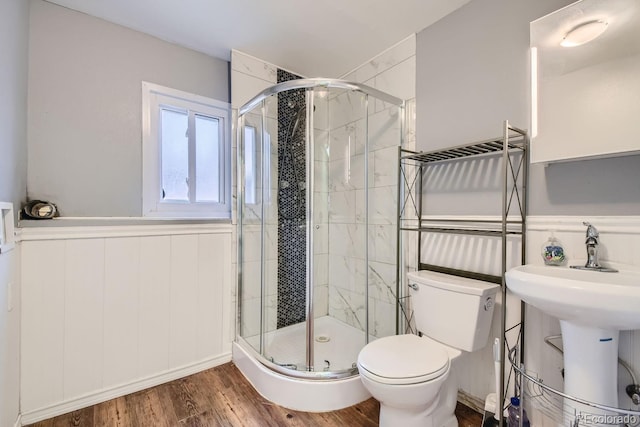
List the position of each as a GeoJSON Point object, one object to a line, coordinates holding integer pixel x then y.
{"type": "Point", "coordinates": [155, 97]}
{"type": "Point", "coordinates": [7, 235]}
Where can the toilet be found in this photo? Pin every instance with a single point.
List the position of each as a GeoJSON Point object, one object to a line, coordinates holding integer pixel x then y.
{"type": "Point", "coordinates": [413, 377]}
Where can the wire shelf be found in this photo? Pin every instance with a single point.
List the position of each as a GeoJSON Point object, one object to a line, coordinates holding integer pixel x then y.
{"type": "Point", "coordinates": [551, 407]}
{"type": "Point", "coordinates": [413, 181]}
{"type": "Point", "coordinates": [494, 145]}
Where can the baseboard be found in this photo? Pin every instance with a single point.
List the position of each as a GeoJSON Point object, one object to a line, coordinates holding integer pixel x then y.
{"type": "Point", "coordinates": [471, 401]}
{"type": "Point", "coordinates": [120, 390]}
{"type": "Point", "coordinates": [18, 422]}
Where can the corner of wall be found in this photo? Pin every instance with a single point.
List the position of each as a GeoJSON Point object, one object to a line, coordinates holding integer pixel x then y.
{"type": "Point", "coordinates": [14, 19]}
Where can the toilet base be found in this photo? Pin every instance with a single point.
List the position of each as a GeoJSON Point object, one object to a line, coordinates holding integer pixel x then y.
{"type": "Point", "coordinates": [438, 413]}
{"type": "Point", "coordinates": [422, 417]}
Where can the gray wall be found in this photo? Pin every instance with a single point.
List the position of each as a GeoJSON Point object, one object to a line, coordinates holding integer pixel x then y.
{"type": "Point", "coordinates": [13, 100]}
{"type": "Point", "coordinates": [472, 73]}
{"type": "Point", "coordinates": [14, 24]}
{"type": "Point", "coordinates": [84, 126]}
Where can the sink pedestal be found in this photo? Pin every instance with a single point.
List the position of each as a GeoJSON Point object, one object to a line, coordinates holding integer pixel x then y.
{"type": "Point", "coordinates": [592, 307]}
{"type": "Point", "coordinates": [590, 370]}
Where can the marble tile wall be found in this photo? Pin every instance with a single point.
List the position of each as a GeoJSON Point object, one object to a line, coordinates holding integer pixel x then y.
{"type": "Point", "coordinates": [321, 204]}
{"type": "Point", "coordinates": [340, 131]}
{"type": "Point", "coordinates": [249, 76]}
{"type": "Point", "coordinates": [347, 230]}
{"type": "Point", "coordinates": [393, 72]}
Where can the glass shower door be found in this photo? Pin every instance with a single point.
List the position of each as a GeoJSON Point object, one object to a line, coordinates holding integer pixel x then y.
{"type": "Point", "coordinates": [345, 242]}
{"type": "Point", "coordinates": [285, 230]}
{"type": "Point", "coordinates": [250, 226]}
{"type": "Point", "coordinates": [316, 215]}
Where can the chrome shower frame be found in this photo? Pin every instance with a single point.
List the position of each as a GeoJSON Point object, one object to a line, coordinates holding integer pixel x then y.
{"type": "Point", "coordinates": [256, 102]}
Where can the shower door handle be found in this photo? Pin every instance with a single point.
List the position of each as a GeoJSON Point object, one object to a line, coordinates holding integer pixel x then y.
{"type": "Point", "coordinates": [414, 286]}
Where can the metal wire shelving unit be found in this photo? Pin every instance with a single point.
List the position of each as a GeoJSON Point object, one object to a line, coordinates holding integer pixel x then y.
{"type": "Point", "coordinates": [512, 146]}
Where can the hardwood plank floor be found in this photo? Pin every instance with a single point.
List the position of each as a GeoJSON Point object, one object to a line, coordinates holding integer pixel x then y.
{"type": "Point", "coordinates": [220, 396]}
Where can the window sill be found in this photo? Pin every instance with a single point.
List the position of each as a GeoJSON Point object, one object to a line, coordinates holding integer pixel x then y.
{"type": "Point", "coordinates": [117, 221]}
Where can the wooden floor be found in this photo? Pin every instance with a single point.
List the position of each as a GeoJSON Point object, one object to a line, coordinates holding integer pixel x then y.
{"type": "Point", "coordinates": [220, 396]}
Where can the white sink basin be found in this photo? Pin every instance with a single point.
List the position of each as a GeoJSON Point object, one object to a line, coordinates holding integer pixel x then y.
{"type": "Point", "coordinates": [588, 298]}
{"type": "Point", "coordinates": [593, 307]}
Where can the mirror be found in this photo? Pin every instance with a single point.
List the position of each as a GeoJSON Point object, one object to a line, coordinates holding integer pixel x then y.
{"type": "Point", "coordinates": [586, 98]}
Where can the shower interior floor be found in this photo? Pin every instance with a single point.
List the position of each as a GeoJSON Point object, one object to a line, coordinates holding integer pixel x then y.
{"type": "Point", "coordinates": [336, 345]}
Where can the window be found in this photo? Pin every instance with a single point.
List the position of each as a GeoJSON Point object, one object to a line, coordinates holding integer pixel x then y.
{"type": "Point", "coordinates": [186, 154]}
{"type": "Point", "coordinates": [250, 165]}
{"type": "Point", "coordinates": [257, 166]}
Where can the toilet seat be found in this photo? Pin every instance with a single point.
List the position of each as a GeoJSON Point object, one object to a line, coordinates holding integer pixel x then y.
{"type": "Point", "coordinates": [403, 359]}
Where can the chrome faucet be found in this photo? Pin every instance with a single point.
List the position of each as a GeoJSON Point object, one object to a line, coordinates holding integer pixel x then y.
{"type": "Point", "coordinates": [592, 243]}
{"type": "Point", "coordinates": [592, 246]}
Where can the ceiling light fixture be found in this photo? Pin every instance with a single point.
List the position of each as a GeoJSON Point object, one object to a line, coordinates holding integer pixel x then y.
{"type": "Point", "coordinates": [584, 33]}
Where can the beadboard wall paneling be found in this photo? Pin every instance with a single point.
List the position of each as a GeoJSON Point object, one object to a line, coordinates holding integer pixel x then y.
{"type": "Point", "coordinates": [83, 312]}
{"type": "Point", "coordinates": [153, 291]}
{"type": "Point", "coordinates": [114, 312]}
{"type": "Point", "coordinates": [43, 267]}
{"type": "Point", "coordinates": [122, 274]}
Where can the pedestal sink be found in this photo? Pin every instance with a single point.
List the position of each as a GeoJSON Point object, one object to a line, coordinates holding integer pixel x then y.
{"type": "Point", "coordinates": [592, 307]}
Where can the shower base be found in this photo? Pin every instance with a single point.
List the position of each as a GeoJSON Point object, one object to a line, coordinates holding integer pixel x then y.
{"type": "Point", "coordinates": [309, 395]}
{"type": "Point", "coordinates": [336, 345]}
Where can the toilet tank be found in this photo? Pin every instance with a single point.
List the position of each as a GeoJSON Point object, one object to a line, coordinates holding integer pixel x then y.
{"type": "Point", "coordinates": [453, 310]}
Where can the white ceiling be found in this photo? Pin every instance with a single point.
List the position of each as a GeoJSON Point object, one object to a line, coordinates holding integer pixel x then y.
{"type": "Point", "coordinates": [316, 38]}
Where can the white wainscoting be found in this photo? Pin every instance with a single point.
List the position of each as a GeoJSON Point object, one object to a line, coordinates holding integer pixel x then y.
{"type": "Point", "coordinates": [109, 310]}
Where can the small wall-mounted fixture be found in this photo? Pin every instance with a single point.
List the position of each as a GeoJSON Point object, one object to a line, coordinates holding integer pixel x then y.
{"type": "Point", "coordinates": [7, 236]}
{"type": "Point", "coordinates": [39, 209]}
{"type": "Point", "coordinates": [584, 33]}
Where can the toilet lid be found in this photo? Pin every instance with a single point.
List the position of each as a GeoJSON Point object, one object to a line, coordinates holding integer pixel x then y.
{"type": "Point", "coordinates": [404, 359]}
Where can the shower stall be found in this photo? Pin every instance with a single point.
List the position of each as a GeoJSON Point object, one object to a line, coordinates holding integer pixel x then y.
{"type": "Point", "coordinates": [317, 208]}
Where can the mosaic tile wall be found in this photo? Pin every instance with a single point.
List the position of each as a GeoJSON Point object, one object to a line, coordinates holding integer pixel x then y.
{"type": "Point", "coordinates": [292, 241]}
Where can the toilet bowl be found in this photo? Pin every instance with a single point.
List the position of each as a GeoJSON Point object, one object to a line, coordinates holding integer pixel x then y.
{"type": "Point", "coordinates": [408, 375]}
{"type": "Point", "coordinates": [413, 377]}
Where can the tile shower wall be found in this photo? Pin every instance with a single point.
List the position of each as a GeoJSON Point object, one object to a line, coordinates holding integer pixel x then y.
{"type": "Point", "coordinates": [346, 191]}
{"type": "Point", "coordinates": [256, 221]}
{"type": "Point", "coordinates": [321, 204]}
{"type": "Point", "coordinates": [291, 196]}
{"type": "Point", "coordinates": [249, 76]}
{"type": "Point", "coordinates": [339, 211]}
{"type": "Point", "coordinates": [393, 71]}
